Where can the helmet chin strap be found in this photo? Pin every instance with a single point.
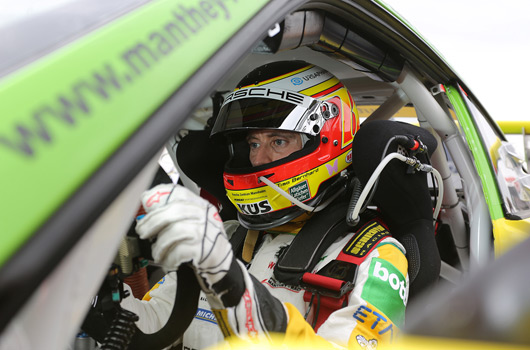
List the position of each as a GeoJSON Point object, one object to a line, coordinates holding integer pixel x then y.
{"type": "Point", "coordinates": [304, 138]}
{"type": "Point", "coordinates": [296, 201]}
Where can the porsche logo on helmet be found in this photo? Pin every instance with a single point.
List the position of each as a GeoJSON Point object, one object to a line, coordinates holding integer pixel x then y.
{"type": "Point", "coordinates": [277, 94]}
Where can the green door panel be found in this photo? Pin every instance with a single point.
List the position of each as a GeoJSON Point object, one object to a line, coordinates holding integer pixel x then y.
{"type": "Point", "coordinates": [65, 114]}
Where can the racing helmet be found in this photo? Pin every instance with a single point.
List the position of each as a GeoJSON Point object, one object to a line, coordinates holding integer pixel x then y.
{"type": "Point", "coordinates": [292, 96]}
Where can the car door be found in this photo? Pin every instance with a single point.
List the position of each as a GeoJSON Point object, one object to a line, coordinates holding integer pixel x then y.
{"type": "Point", "coordinates": [83, 114]}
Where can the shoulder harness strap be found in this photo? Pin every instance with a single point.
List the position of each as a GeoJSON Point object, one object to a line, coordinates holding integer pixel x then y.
{"type": "Point", "coordinates": [306, 249]}
{"type": "Point", "coordinates": [333, 283]}
{"type": "Point", "coordinates": [335, 278]}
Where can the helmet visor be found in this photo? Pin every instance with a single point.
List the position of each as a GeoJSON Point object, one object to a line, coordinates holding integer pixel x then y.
{"type": "Point", "coordinates": [269, 108]}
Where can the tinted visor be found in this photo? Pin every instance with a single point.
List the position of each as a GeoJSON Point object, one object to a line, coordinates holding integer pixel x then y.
{"type": "Point", "coordinates": [266, 108]}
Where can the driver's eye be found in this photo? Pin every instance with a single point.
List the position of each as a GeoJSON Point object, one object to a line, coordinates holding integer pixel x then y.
{"type": "Point", "coordinates": [280, 142]}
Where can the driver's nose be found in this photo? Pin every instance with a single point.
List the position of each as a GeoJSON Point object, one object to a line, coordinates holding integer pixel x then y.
{"type": "Point", "coordinates": [261, 156]}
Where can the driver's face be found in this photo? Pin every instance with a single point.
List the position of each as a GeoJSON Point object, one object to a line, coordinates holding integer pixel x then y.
{"type": "Point", "coordinates": [269, 145]}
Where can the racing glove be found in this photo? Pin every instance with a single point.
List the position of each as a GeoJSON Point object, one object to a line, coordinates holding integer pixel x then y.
{"type": "Point", "coordinates": [188, 229]}
{"type": "Point", "coordinates": [185, 228]}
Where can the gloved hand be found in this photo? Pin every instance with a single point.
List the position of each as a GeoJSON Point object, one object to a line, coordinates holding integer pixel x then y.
{"type": "Point", "coordinates": [187, 229]}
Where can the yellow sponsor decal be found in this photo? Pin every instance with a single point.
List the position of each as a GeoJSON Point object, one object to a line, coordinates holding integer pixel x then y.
{"type": "Point", "coordinates": [362, 242]}
{"type": "Point", "coordinates": [265, 199]}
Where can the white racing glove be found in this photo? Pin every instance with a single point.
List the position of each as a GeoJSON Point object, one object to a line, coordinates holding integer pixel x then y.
{"type": "Point", "coordinates": [187, 229]}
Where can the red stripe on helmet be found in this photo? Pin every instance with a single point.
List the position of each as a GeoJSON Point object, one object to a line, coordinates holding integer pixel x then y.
{"type": "Point", "coordinates": [328, 90]}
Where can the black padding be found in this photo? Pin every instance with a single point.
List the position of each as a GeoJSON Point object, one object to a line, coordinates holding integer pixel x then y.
{"type": "Point", "coordinates": [404, 199]}
{"type": "Point", "coordinates": [203, 162]}
{"type": "Point", "coordinates": [413, 255]}
{"type": "Point", "coordinates": [307, 247]}
{"type": "Point", "coordinates": [418, 238]}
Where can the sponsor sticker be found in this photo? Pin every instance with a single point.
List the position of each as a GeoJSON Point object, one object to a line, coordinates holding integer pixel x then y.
{"type": "Point", "coordinates": [387, 289]}
{"type": "Point", "coordinates": [349, 157]}
{"type": "Point", "coordinates": [333, 168]}
{"type": "Point", "coordinates": [300, 191]}
{"type": "Point", "coordinates": [257, 208]}
{"type": "Point", "coordinates": [377, 321]}
{"type": "Point", "coordinates": [363, 242]}
{"type": "Point", "coordinates": [206, 315]}
{"type": "Point", "coordinates": [297, 81]}
{"type": "Point", "coordinates": [274, 283]}
{"type": "Point", "coordinates": [317, 74]}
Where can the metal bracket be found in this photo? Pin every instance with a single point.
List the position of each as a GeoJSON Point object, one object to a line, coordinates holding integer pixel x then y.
{"type": "Point", "coordinates": [437, 89]}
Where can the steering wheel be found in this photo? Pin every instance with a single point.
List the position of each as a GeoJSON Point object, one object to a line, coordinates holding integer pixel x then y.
{"type": "Point", "coordinates": [184, 309]}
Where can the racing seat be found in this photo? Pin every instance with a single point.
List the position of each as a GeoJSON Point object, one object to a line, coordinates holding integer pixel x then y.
{"type": "Point", "coordinates": [402, 196]}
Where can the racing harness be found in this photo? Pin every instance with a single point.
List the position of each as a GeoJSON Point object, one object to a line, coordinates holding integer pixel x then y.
{"type": "Point", "coordinates": [332, 284]}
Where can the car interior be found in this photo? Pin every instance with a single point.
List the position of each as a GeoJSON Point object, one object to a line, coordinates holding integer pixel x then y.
{"type": "Point", "coordinates": [388, 82]}
{"type": "Point", "coordinates": [385, 87]}
{"type": "Point", "coordinates": [411, 96]}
